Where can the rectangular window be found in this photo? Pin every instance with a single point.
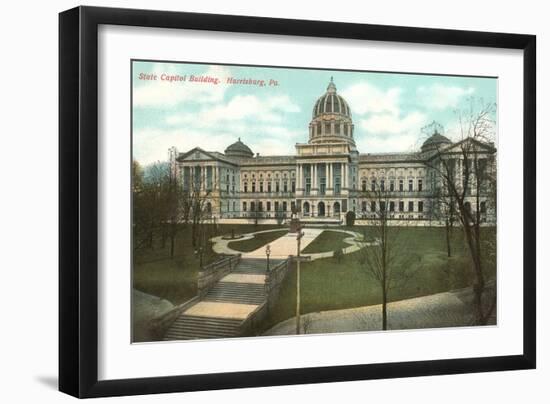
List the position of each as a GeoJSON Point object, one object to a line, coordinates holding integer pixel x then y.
{"type": "Point", "coordinates": [401, 185]}
{"type": "Point", "coordinates": [392, 206]}
{"type": "Point", "coordinates": [382, 185]}
{"type": "Point", "coordinates": [411, 206]}
{"type": "Point", "coordinates": [276, 206]}
{"type": "Point", "coordinates": [285, 186]}
{"type": "Point", "coordinates": [293, 186]}
{"type": "Point", "coordinates": [421, 206]}
{"type": "Point", "coordinates": [277, 187]}
{"type": "Point", "coordinates": [253, 187]}
{"type": "Point", "coordinates": [186, 178]}
{"type": "Point", "coordinates": [322, 185]}
{"type": "Point", "coordinates": [373, 185]}
{"type": "Point", "coordinates": [392, 185]}
{"type": "Point", "coordinates": [268, 206]}
{"type": "Point", "coordinates": [292, 206]}
{"type": "Point", "coordinates": [244, 206]}
{"type": "Point", "coordinates": [483, 207]}
{"type": "Point", "coordinates": [209, 178]}
{"type": "Point", "coordinates": [382, 206]}
{"type": "Point", "coordinates": [261, 186]}
{"type": "Point", "coordinates": [401, 206]}
{"type": "Point", "coordinates": [419, 185]}
{"type": "Point", "coordinates": [373, 206]}
{"type": "Point", "coordinates": [260, 206]}
{"type": "Point", "coordinates": [284, 206]}
{"type": "Point", "coordinates": [245, 187]}
{"type": "Point", "coordinates": [410, 185]}
{"type": "Point", "coordinates": [363, 185]}
{"type": "Point", "coordinates": [252, 207]}
{"type": "Point", "coordinates": [364, 206]}
{"type": "Point", "coordinates": [269, 186]}
{"type": "Point", "coordinates": [337, 186]}
{"type": "Point", "coordinates": [308, 185]}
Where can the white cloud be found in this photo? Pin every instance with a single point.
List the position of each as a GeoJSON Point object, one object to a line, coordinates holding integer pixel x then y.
{"type": "Point", "coordinates": [238, 109]}
{"type": "Point", "coordinates": [166, 94]}
{"type": "Point", "coordinates": [440, 97]}
{"type": "Point", "coordinates": [364, 98]}
{"type": "Point", "coordinates": [393, 124]}
{"type": "Point", "coordinates": [389, 132]}
{"type": "Point", "coordinates": [151, 145]}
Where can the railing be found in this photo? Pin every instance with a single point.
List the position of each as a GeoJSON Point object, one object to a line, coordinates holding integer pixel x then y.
{"type": "Point", "coordinates": [212, 273]}
{"type": "Point", "coordinates": [274, 279]}
{"type": "Point", "coordinates": [159, 325]}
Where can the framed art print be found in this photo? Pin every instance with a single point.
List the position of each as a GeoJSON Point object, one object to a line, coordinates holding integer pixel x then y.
{"type": "Point", "coordinates": [249, 201]}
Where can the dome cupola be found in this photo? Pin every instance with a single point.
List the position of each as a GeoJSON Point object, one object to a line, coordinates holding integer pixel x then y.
{"type": "Point", "coordinates": [238, 150]}
{"type": "Point", "coordinates": [435, 142]}
{"type": "Point", "coordinates": [331, 121]}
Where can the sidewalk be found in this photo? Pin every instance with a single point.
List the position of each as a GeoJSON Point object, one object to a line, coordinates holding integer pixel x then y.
{"type": "Point", "coordinates": [286, 245]}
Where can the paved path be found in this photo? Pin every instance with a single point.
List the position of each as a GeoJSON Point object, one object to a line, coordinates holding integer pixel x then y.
{"type": "Point", "coordinates": [286, 245]}
{"type": "Point", "coordinates": [449, 309]}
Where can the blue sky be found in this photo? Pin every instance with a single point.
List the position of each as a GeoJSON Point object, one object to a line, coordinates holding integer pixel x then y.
{"type": "Point", "coordinates": [388, 109]}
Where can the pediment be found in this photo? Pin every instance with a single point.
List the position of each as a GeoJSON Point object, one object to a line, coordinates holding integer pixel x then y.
{"type": "Point", "coordinates": [196, 154]}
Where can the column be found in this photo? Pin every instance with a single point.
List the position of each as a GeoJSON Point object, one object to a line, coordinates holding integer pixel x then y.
{"type": "Point", "coordinates": [329, 175]}
{"type": "Point", "coordinates": [344, 175]}
{"type": "Point", "coordinates": [299, 177]}
{"type": "Point", "coordinates": [314, 175]}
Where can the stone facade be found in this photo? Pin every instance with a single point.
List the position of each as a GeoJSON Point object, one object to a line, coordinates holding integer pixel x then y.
{"type": "Point", "coordinates": [327, 176]}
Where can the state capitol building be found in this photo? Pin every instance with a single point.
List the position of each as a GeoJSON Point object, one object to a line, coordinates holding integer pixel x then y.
{"type": "Point", "coordinates": [325, 178]}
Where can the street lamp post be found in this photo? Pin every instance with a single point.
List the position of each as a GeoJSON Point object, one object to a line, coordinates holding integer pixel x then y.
{"type": "Point", "coordinates": [198, 253]}
{"type": "Point", "coordinates": [268, 253]}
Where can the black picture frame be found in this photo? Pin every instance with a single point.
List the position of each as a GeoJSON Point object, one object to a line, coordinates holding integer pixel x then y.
{"type": "Point", "coordinates": [78, 200]}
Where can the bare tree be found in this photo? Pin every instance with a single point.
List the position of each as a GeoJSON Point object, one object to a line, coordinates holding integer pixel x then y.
{"type": "Point", "coordinates": [387, 262]}
{"type": "Point", "coordinates": [467, 172]}
{"type": "Point", "coordinates": [148, 203]}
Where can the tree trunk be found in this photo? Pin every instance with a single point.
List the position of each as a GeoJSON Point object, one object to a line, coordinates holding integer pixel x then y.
{"type": "Point", "coordinates": [172, 244]}
{"type": "Point", "coordinates": [479, 281]}
{"type": "Point", "coordinates": [448, 236]}
{"type": "Point", "coordinates": [384, 311]}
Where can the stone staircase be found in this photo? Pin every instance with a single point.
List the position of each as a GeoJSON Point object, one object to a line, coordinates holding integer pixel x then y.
{"type": "Point", "coordinates": [243, 293]}
{"type": "Point", "coordinates": [193, 327]}
{"type": "Point", "coordinates": [253, 266]}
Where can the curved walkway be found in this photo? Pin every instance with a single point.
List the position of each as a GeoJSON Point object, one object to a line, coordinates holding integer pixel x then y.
{"type": "Point", "coordinates": [448, 309]}
{"type": "Point", "coordinates": [286, 245]}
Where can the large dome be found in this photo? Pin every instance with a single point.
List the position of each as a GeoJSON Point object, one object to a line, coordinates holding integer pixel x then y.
{"type": "Point", "coordinates": [238, 149]}
{"type": "Point", "coordinates": [331, 102]}
{"type": "Point", "coordinates": [435, 142]}
{"type": "Point", "coordinates": [331, 121]}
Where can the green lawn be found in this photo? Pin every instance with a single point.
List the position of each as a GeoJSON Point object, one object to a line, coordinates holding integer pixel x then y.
{"type": "Point", "coordinates": [257, 241]}
{"type": "Point", "coordinates": [327, 241]}
{"type": "Point", "coordinates": [329, 284]}
{"type": "Point", "coordinates": [175, 279]}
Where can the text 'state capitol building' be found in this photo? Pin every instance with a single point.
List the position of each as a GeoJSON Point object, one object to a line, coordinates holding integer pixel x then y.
{"type": "Point", "coordinates": [326, 178]}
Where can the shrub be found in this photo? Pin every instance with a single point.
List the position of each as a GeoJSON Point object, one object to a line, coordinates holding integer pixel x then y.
{"type": "Point", "coordinates": [338, 255]}
{"type": "Point", "coordinates": [350, 218]}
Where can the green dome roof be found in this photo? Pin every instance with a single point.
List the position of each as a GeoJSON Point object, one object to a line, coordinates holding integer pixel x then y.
{"type": "Point", "coordinates": [238, 149]}
{"type": "Point", "coordinates": [435, 141]}
{"type": "Point", "coordinates": [331, 103]}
